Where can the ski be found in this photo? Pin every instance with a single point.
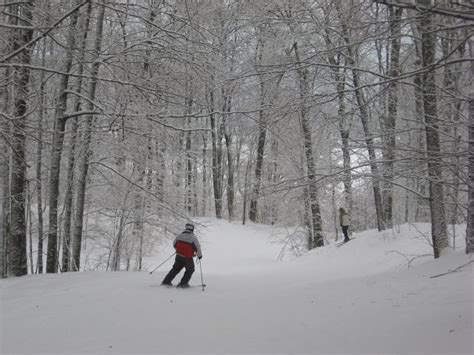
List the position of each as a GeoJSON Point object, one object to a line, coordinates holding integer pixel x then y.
{"type": "Point", "coordinates": [342, 243]}
{"type": "Point", "coordinates": [182, 288]}
{"type": "Point", "coordinates": [190, 286]}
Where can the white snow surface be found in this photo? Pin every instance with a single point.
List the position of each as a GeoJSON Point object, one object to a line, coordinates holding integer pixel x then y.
{"type": "Point", "coordinates": [374, 295]}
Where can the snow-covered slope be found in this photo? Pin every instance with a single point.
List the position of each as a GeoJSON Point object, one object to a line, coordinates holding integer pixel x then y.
{"type": "Point", "coordinates": [359, 298]}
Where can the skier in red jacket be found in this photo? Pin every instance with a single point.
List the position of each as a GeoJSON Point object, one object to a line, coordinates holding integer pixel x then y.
{"type": "Point", "coordinates": [186, 246]}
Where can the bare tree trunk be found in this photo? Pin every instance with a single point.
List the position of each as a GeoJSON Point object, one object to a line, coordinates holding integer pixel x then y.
{"type": "Point", "coordinates": [275, 180]}
{"type": "Point", "coordinates": [204, 173]}
{"type": "Point", "coordinates": [364, 115]}
{"type": "Point", "coordinates": [29, 217]}
{"type": "Point", "coordinates": [268, 93]}
{"type": "Point", "coordinates": [17, 261]}
{"type": "Point", "coordinates": [216, 139]}
{"type": "Point", "coordinates": [87, 136]}
{"type": "Point", "coordinates": [230, 159]}
{"type": "Point", "coordinates": [346, 164]}
{"type": "Point", "coordinates": [470, 209]}
{"type": "Point", "coordinates": [340, 79]}
{"type": "Point", "coordinates": [179, 172]}
{"type": "Point", "coordinates": [316, 223]}
{"type": "Point", "coordinates": [262, 135]}
{"type": "Point", "coordinates": [246, 189]}
{"type": "Point", "coordinates": [391, 117]}
{"type": "Point", "coordinates": [57, 148]}
{"type": "Point", "coordinates": [438, 218]}
{"type": "Point", "coordinates": [68, 200]}
{"type": "Point", "coordinates": [5, 153]}
{"type": "Point", "coordinates": [4, 213]}
{"type": "Point", "coordinates": [304, 93]}
{"type": "Point", "coordinates": [4, 205]}
{"type": "Point", "coordinates": [139, 204]}
{"type": "Point", "coordinates": [361, 102]}
{"type": "Point", "coordinates": [68, 219]}
{"type": "Point", "coordinates": [188, 186]}
{"type": "Point", "coordinates": [160, 150]}
{"type": "Point", "coordinates": [307, 217]}
{"type": "Point", "coordinates": [39, 164]}
{"type": "Point", "coordinates": [421, 202]}
{"type": "Point", "coordinates": [117, 246]}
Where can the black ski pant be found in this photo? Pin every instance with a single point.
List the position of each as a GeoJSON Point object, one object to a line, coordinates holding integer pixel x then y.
{"type": "Point", "coordinates": [180, 262]}
{"type": "Point", "coordinates": [344, 231]}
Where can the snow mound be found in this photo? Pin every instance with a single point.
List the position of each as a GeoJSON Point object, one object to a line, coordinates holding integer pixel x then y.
{"type": "Point", "coordinates": [376, 294]}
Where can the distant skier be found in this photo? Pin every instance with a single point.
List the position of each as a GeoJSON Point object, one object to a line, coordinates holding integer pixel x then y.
{"type": "Point", "coordinates": [344, 221]}
{"type": "Point", "coordinates": [186, 245]}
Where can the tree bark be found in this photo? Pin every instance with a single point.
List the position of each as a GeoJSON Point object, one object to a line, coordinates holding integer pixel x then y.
{"type": "Point", "coordinates": [438, 218]}
{"type": "Point", "coordinates": [340, 79]}
{"type": "Point", "coordinates": [188, 186]}
{"type": "Point", "coordinates": [57, 148]}
{"type": "Point", "coordinates": [262, 135]}
{"type": "Point", "coordinates": [304, 93]}
{"type": "Point", "coordinates": [391, 117]}
{"type": "Point", "coordinates": [69, 199]}
{"type": "Point", "coordinates": [470, 209]}
{"type": "Point", "coordinates": [421, 201]}
{"type": "Point", "coordinates": [87, 136]}
{"type": "Point", "coordinates": [17, 260]}
{"type": "Point", "coordinates": [246, 189]}
{"type": "Point", "coordinates": [39, 164]}
{"type": "Point", "coordinates": [344, 131]}
{"type": "Point", "coordinates": [204, 174]}
{"type": "Point", "coordinates": [3, 223]}
{"type": "Point", "coordinates": [29, 219]}
{"type": "Point", "coordinates": [69, 196]}
{"type": "Point", "coordinates": [160, 150]}
{"type": "Point", "coordinates": [116, 251]}
{"type": "Point", "coordinates": [216, 140]}
{"type": "Point", "coordinates": [5, 153]}
{"type": "Point", "coordinates": [4, 200]}
{"type": "Point", "coordinates": [230, 159]}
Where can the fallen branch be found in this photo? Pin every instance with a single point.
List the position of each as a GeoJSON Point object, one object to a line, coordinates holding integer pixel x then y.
{"type": "Point", "coordinates": [452, 271]}
{"type": "Point", "coordinates": [408, 258]}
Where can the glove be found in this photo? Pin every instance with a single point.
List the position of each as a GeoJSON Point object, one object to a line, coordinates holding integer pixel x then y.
{"type": "Point", "coordinates": [200, 257]}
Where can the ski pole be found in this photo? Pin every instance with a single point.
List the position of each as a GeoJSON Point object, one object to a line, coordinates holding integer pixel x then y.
{"type": "Point", "coordinates": [202, 281]}
{"type": "Point", "coordinates": [152, 271]}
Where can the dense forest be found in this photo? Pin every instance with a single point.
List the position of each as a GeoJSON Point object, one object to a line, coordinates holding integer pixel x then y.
{"type": "Point", "coordinates": [120, 119]}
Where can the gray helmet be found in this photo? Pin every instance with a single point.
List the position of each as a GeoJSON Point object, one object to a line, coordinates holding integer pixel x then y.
{"type": "Point", "coordinates": [189, 227]}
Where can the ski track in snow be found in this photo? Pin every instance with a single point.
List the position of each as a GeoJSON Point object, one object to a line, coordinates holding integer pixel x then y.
{"type": "Point", "coordinates": [358, 299]}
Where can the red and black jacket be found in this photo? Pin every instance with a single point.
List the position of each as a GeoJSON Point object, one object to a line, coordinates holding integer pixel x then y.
{"type": "Point", "coordinates": [187, 245]}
